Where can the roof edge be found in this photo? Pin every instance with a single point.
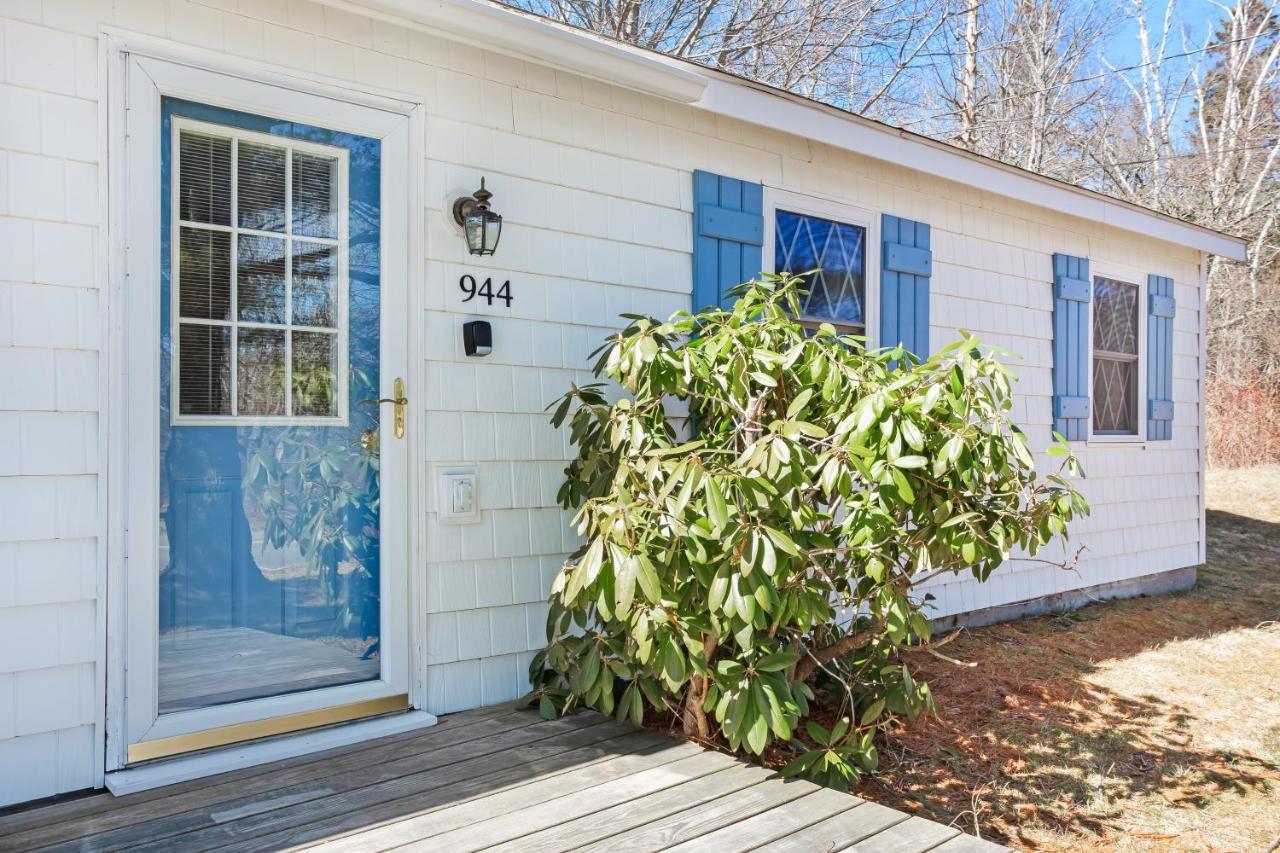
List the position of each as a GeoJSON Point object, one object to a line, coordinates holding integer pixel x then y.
{"type": "Point", "coordinates": [540, 40]}
{"type": "Point", "coordinates": [747, 100]}
{"type": "Point", "coordinates": [547, 42]}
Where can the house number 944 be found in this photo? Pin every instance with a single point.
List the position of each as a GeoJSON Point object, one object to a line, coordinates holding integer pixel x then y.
{"type": "Point", "coordinates": [467, 284]}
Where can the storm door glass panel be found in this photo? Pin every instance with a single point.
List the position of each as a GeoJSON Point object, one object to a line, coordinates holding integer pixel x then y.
{"type": "Point", "coordinates": [1115, 357]}
{"type": "Point", "coordinates": [270, 547]}
{"type": "Point", "coordinates": [831, 257]}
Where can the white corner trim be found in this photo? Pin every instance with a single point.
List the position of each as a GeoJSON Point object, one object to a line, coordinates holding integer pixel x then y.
{"type": "Point", "coordinates": [531, 37]}
{"type": "Point", "coordinates": [147, 776]}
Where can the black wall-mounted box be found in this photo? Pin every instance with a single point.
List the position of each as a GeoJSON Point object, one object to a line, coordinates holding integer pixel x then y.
{"type": "Point", "coordinates": [477, 337]}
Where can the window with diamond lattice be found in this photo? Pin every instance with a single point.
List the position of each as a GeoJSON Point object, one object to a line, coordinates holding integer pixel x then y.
{"type": "Point", "coordinates": [835, 253]}
{"type": "Point", "coordinates": [1115, 357]}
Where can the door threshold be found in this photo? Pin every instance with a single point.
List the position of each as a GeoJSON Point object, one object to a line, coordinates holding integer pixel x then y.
{"type": "Point", "coordinates": [223, 759]}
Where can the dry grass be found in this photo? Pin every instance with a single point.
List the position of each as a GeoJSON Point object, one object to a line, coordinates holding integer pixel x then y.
{"type": "Point", "coordinates": [1140, 725]}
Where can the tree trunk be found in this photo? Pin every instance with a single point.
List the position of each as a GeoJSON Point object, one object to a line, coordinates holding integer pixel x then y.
{"type": "Point", "coordinates": [693, 717]}
{"type": "Point", "coordinates": [808, 665]}
{"type": "Point", "coordinates": [969, 82]}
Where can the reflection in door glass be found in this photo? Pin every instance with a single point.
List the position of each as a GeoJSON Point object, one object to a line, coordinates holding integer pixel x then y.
{"type": "Point", "coordinates": [269, 501]}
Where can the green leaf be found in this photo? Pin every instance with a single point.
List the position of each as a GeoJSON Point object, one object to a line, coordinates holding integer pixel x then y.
{"type": "Point", "coordinates": [717, 509]}
{"type": "Point", "coordinates": [910, 461]}
{"type": "Point", "coordinates": [800, 765]}
{"type": "Point", "coordinates": [911, 435]}
{"type": "Point", "coordinates": [768, 559]}
{"type": "Point", "coordinates": [777, 661]}
{"type": "Point", "coordinates": [905, 492]}
{"type": "Point", "coordinates": [637, 707]}
{"type": "Point", "coordinates": [757, 730]}
{"type": "Point", "coordinates": [730, 668]}
{"type": "Point", "coordinates": [798, 404]}
{"type": "Point", "coordinates": [783, 542]}
{"type": "Point", "coordinates": [673, 662]}
{"type": "Point", "coordinates": [624, 583]}
{"type": "Point", "coordinates": [647, 575]}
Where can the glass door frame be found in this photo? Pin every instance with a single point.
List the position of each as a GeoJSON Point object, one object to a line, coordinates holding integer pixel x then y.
{"type": "Point", "coordinates": [135, 730]}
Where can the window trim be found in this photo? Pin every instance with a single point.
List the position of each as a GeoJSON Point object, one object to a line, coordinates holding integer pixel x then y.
{"type": "Point", "coordinates": [1132, 277]}
{"type": "Point", "coordinates": [833, 209]}
{"type": "Point", "coordinates": [340, 244]}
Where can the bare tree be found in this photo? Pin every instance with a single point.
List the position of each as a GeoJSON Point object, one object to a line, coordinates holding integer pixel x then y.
{"type": "Point", "coordinates": [968, 98]}
{"type": "Point", "coordinates": [851, 53]}
{"type": "Point", "coordinates": [1195, 135]}
{"type": "Point", "coordinates": [1019, 82]}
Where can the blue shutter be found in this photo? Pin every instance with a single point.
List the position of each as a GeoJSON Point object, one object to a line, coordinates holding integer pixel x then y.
{"type": "Point", "coordinates": [906, 263]}
{"type": "Point", "coordinates": [1160, 311]}
{"type": "Point", "coordinates": [1072, 288]}
{"type": "Point", "coordinates": [728, 231]}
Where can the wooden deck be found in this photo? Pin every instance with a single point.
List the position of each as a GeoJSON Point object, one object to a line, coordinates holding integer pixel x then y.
{"type": "Point", "coordinates": [496, 779]}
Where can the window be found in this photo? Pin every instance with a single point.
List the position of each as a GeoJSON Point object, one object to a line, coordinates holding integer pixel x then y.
{"type": "Point", "coordinates": [1115, 357]}
{"type": "Point", "coordinates": [259, 276]}
{"type": "Point", "coordinates": [836, 253]}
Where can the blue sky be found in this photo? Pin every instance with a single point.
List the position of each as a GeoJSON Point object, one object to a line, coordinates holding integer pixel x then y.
{"type": "Point", "coordinates": [1195, 16]}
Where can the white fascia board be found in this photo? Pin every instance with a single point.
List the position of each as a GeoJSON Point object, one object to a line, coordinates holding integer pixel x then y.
{"type": "Point", "coordinates": [743, 100]}
{"type": "Point", "coordinates": [532, 38]}
{"type": "Point", "coordinates": [536, 39]}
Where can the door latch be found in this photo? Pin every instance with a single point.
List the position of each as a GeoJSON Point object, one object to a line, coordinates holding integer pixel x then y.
{"type": "Point", "coordinates": [399, 401]}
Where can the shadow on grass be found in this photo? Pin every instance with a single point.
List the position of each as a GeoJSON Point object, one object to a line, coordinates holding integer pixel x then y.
{"type": "Point", "coordinates": [1075, 727]}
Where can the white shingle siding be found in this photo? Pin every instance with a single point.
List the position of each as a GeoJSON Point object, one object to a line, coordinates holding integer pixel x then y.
{"type": "Point", "coordinates": [49, 437]}
{"type": "Point", "coordinates": [595, 185]}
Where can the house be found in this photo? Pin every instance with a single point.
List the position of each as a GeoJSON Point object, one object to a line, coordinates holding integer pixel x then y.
{"type": "Point", "coordinates": [232, 282]}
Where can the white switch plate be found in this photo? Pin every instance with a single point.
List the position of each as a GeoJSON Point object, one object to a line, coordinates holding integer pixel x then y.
{"type": "Point", "coordinates": [458, 495]}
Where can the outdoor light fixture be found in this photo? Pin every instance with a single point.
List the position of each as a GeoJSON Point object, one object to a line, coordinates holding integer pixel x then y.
{"type": "Point", "coordinates": [480, 225]}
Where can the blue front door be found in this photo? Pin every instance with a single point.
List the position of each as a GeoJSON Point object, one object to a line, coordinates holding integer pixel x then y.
{"type": "Point", "coordinates": [269, 340]}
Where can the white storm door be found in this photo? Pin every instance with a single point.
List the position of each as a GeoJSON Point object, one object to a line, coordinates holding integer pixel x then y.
{"type": "Point", "coordinates": [265, 316]}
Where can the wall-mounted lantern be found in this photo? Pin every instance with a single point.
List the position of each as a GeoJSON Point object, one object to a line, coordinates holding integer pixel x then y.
{"type": "Point", "coordinates": [480, 225]}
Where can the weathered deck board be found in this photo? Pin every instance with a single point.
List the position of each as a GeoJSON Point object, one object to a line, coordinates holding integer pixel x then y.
{"type": "Point", "coordinates": [47, 825]}
{"type": "Point", "coordinates": [487, 737]}
{"type": "Point", "coordinates": [778, 822]}
{"type": "Point", "coordinates": [101, 802]}
{"type": "Point", "coordinates": [841, 830]}
{"type": "Point", "coordinates": [614, 821]}
{"type": "Point", "coordinates": [495, 780]}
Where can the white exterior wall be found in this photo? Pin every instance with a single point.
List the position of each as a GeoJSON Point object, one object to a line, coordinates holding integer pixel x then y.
{"type": "Point", "coordinates": [595, 186]}
{"type": "Point", "coordinates": [49, 332]}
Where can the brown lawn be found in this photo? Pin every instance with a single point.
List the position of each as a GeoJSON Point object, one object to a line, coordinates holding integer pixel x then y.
{"type": "Point", "coordinates": [1139, 725]}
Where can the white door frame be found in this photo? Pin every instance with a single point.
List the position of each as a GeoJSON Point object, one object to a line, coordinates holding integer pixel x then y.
{"type": "Point", "coordinates": [139, 70]}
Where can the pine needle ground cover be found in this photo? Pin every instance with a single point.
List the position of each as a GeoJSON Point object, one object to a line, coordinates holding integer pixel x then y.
{"type": "Point", "coordinates": [1151, 724]}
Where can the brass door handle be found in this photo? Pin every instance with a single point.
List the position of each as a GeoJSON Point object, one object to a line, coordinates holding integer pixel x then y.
{"type": "Point", "coordinates": [399, 401]}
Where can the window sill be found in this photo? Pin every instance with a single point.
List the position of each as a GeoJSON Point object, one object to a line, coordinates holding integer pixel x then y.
{"type": "Point", "coordinates": [1116, 442]}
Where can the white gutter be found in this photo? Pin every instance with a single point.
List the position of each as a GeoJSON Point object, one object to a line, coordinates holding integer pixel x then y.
{"type": "Point", "coordinates": [750, 102]}
{"type": "Point", "coordinates": [539, 40]}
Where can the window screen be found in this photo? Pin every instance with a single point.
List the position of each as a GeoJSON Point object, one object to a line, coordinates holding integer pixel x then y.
{"type": "Point", "coordinates": [258, 285]}
{"type": "Point", "coordinates": [835, 253]}
{"type": "Point", "coordinates": [1115, 357]}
